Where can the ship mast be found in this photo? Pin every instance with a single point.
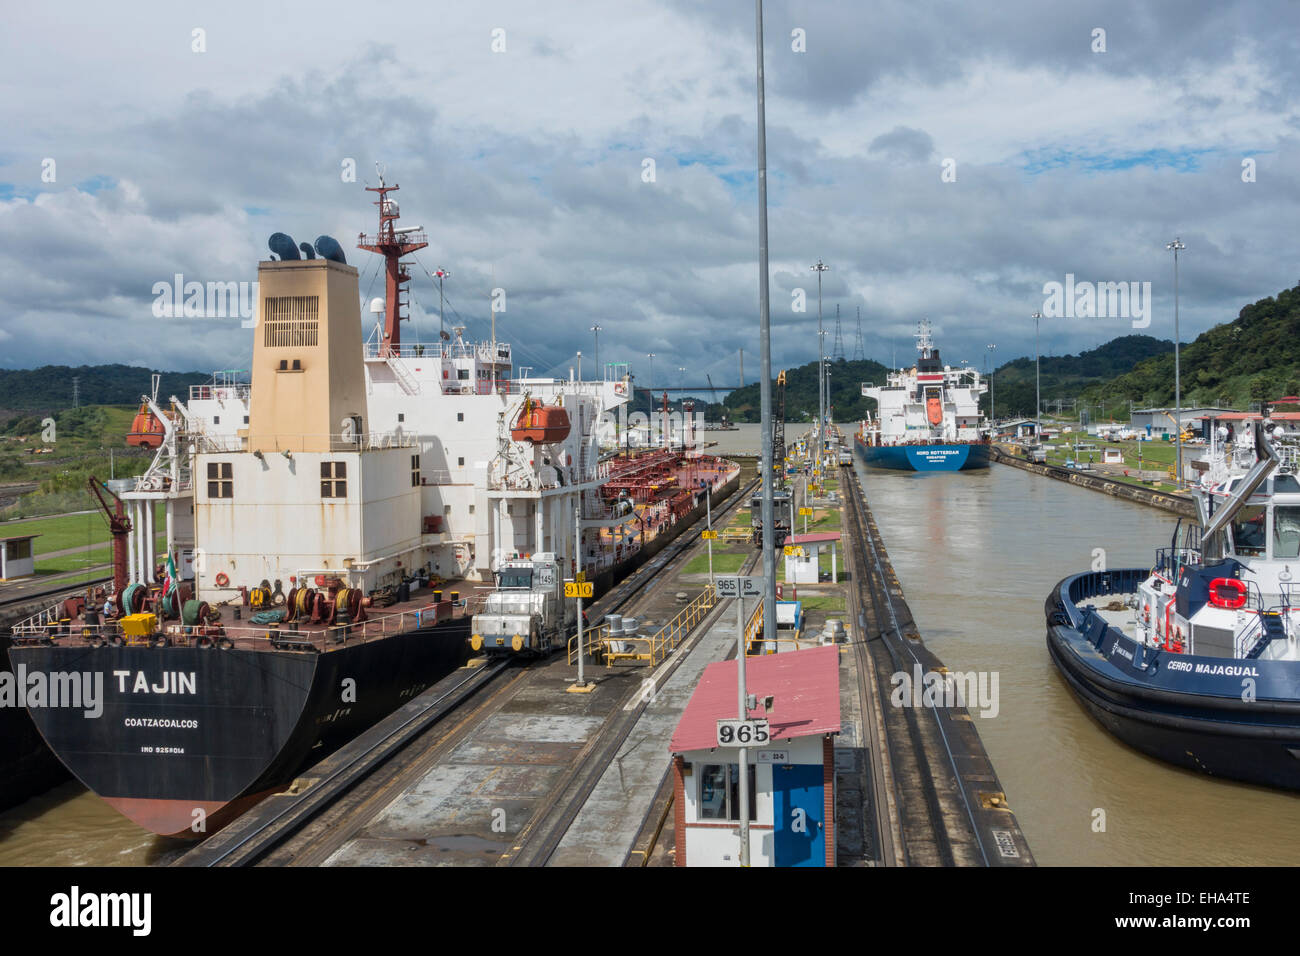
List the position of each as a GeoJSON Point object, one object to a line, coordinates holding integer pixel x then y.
{"type": "Point", "coordinates": [392, 243]}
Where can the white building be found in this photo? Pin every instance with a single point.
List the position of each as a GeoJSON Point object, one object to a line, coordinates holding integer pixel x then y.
{"type": "Point", "coordinates": [791, 776]}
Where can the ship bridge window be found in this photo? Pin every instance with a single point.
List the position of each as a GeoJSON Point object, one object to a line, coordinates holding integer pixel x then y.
{"type": "Point", "coordinates": [462, 374]}
{"type": "Point", "coordinates": [415, 471]}
{"type": "Point", "coordinates": [1248, 531]}
{"type": "Point", "coordinates": [1286, 484]}
{"type": "Point", "coordinates": [221, 482]}
{"type": "Point", "coordinates": [333, 479]}
{"type": "Point", "coordinates": [1286, 532]}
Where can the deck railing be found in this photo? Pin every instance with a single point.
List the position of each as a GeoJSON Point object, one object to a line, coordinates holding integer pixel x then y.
{"type": "Point", "coordinates": [281, 636]}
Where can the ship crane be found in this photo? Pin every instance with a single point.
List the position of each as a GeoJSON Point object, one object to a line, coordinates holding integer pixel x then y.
{"type": "Point", "coordinates": [119, 526]}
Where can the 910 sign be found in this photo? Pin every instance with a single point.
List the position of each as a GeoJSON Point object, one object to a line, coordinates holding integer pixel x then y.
{"type": "Point", "coordinates": [742, 733]}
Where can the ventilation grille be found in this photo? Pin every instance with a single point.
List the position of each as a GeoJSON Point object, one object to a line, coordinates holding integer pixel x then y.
{"type": "Point", "coordinates": [290, 321]}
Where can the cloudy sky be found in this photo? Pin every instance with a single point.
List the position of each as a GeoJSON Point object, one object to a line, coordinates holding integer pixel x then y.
{"type": "Point", "coordinates": [522, 136]}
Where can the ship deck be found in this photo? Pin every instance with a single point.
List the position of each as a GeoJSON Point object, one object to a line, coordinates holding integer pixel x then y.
{"type": "Point", "coordinates": [420, 611]}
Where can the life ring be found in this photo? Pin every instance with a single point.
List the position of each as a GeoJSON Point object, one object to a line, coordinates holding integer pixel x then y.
{"type": "Point", "coordinates": [222, 579]}
{"type": "Point", "coordinates": [620, 388]}
{"type": "Point", "coordinates": [320, 580]}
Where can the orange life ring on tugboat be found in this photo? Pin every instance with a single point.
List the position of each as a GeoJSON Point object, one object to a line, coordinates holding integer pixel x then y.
{"type": "Point", "coordinates": [221, 579]}
{"type": "Point", "coordinates": [620, 388]}
{"type": "Point", "coordinates": [320, 580]}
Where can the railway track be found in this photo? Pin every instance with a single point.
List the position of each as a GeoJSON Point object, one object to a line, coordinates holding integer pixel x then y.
{"type": "Point", "coordinates": [542, 837]}
{"type": "Point", "coordinates": [345, 793]}
{"type": "Point", "coordinates": [937, 799]}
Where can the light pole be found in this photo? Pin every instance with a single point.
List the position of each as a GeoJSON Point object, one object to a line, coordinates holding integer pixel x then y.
{"type": "Point", "coordinates": [1177, 246]}
{"type": "Point", "coordinates": [1038, 396]}
{"type": "Point", "coordinates": [821, 396]}
{"type": "Point", "coordinates": [579, 368]}
{"type": "Point", "coordinates": [596, 329]}
{"type": "Point", "coordinates": [577, 577]}
{"type": "Point", "coordinates": [988, 363]}
{"type": "Point", "coordinates": [765, 440]}
{"type": "Point", "coordinates": [442, 328]}
{"type": "Point", "coordinates": [708, 510]}
{"type": "Point", "coordinates": [826, 380]}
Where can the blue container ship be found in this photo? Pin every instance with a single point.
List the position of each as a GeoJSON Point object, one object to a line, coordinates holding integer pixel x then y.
{"type": "Point", "coordinates": [927, 417]}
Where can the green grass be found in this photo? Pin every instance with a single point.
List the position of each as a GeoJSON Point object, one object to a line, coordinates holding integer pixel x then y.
{"type": "Point", "coordinates": [1155, 456]}
{"type": "Point", "coordinates": [724, 562]}
{"type": "Point", "coordinates": [832, 604]}
{"type": "Point", "coordinates": [68, 531]}
{"type": "Point", "coordinates": [87, 559]}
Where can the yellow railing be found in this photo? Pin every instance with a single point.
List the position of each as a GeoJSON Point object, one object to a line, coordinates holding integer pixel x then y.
{"type": "Point", "coordinates": [594, 640]}
{"type": "Point", "coordinates": [754, 627]}
{"type": "Point", "coordinates": [653, 648]}
{"type": "Point", "coordinates": [668, 637]}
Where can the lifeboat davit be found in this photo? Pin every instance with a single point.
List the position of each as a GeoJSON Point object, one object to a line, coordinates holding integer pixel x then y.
{"type": "Point", "coordinates": [146, 430]}
{"type": "Point", "coordinates": [540, 424]}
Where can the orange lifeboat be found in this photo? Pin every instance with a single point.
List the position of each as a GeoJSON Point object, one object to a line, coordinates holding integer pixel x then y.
{"type": "Point", "coordinates": [146, 431]}
{"type": "Point", "coordinates": [934, 409]}
{"type": "Point", "coordinates": [540, 424]}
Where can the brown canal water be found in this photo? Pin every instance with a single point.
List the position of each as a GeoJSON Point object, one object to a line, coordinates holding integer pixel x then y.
{"type": "Point", "coordinates": [977, 553]}
{"type": "Point", "coordinates": [70, 826]}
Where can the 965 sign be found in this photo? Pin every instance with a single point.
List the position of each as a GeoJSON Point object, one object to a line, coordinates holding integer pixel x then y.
{"type": "Point", "coordinates": [742, 733]}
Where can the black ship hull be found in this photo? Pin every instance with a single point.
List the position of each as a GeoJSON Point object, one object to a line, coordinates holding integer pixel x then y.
{"type": "Point", "coordinates": [27, 767]}
{"type": "Point", "coordinates": [1232, 718]}
{"type": "Point", "coordinates": [187, 738]}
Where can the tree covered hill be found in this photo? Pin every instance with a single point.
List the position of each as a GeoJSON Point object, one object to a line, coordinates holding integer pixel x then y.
{"type": "Point", "coordinates": [1070, 376]}
{"type": "Point", "coordinates": [49, 388]}
{"type": "Point", "coordinates": [1255, 357]}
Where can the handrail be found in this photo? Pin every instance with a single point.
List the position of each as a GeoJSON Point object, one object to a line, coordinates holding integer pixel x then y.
{"type": "Point", "coordinates": [330, 638]}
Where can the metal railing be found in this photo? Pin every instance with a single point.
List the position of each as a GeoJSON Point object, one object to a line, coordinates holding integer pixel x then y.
{"type": "Point", "coordinates": [670, 636]}
{"type": "Point", "coordinates": [278, 443]}
{"type": "Point", "coordinates": [652, 648]}
{"type": "Point", "coordinates": [283, 636]}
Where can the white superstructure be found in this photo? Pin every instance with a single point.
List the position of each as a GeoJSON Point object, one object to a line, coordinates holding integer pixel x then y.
{"type": "Point", "coordinates": [929, 402]}
{"type": "Point", "coordinates": [364, 461]}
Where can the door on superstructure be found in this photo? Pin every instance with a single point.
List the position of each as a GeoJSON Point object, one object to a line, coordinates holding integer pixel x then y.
{"type": "Point", "coordinates": [799, 810]}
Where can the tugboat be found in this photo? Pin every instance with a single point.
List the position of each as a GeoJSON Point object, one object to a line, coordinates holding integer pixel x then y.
{"type": "Point", "coordinates": [927, 417]}
{"type": "Point", "coordinates": [1196, 660]}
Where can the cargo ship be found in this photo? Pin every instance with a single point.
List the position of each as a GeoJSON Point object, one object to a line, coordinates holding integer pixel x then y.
{"type": "Point", "coordinates": [1195, 661]}
{"type": "Point", "coordinates": [927, 417]}
{"type": "Point", "coordinates": [332, 526]}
